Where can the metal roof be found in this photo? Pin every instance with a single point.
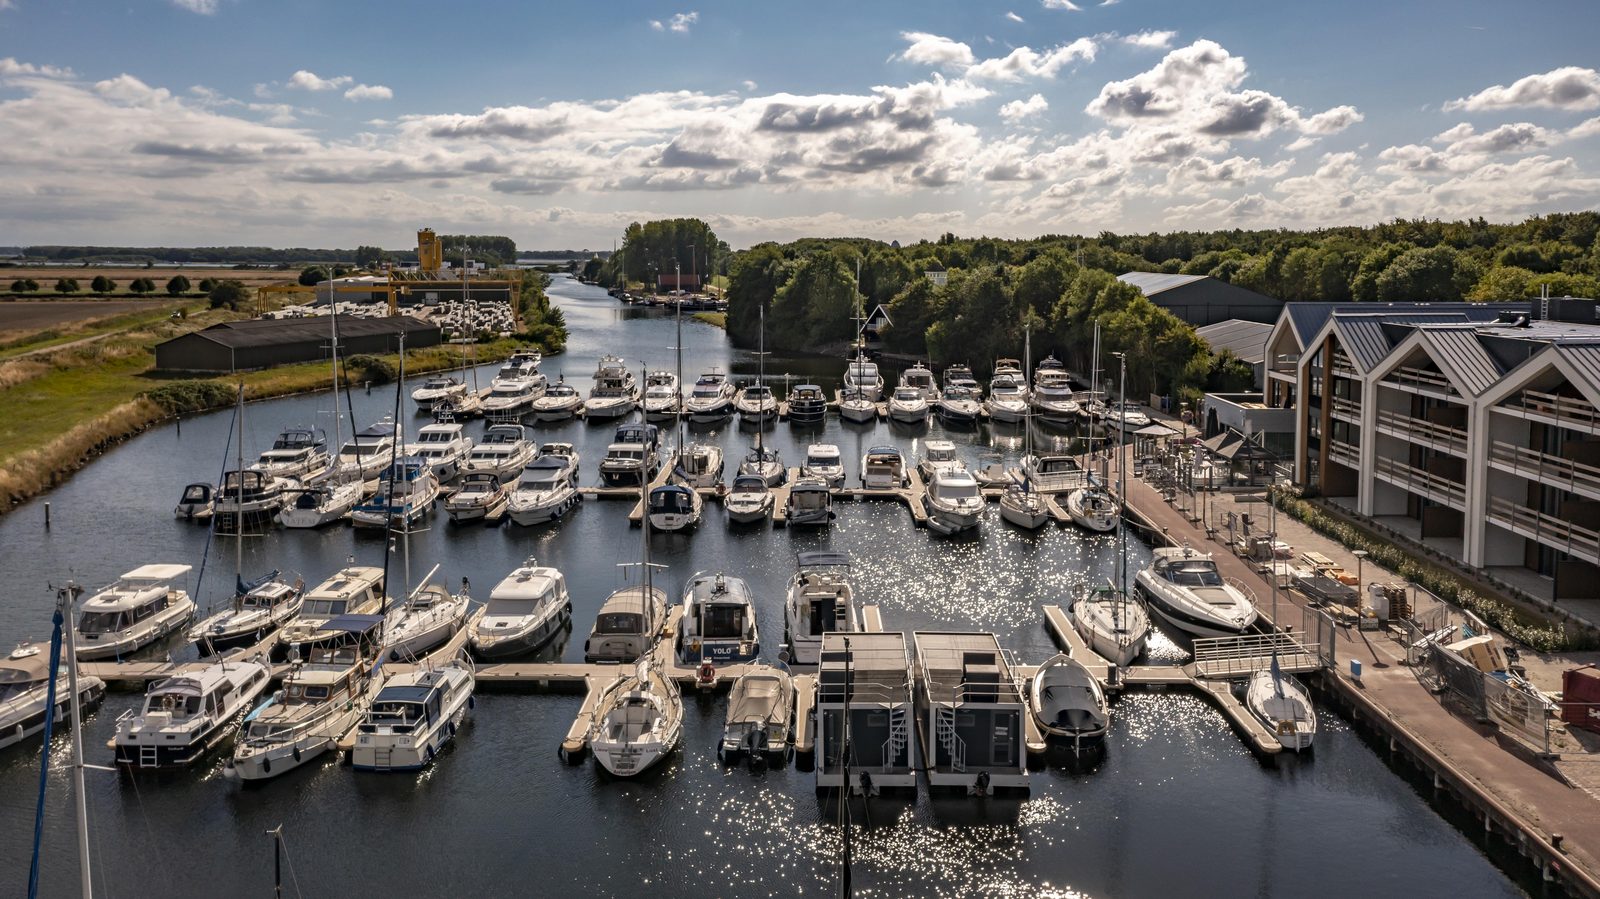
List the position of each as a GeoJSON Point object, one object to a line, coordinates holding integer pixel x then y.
{"type": "Point", "coordinates": [1585, 357]}
{"type": "Point", "coordinates": [1457, 350]}
{"type": "Point", "coordinates": [1308, 318]}
{"type": "Point", "coordinates": [1246, 339]}
{"type": "Point", "coordinates": [268, 332]}
{"type": "Point", "coordinates": [1152, 283]}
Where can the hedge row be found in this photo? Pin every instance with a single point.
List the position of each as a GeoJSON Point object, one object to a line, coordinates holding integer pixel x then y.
{"type": "Point", "coordinates": [191, 396]}
{"type": "Point", "coordinates": [1501, 615]}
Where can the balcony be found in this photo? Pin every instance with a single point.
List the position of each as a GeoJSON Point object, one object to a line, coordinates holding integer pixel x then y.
{"type": "Point", "coordinates": [1347, 410]}
{"type": "Point", "coordinates": [1415, 380]}
{"type": "Point", "coordinates": [1423, 432]}
{"type": "Point", "coordinates": [1422, 483]}
{"type": "Point", "coordinates": [1543, 468]}
{"type": "Point", "coordinates": [1561, 411]}
{"type": "Point", "coordinates": [1578, 542]}
{"type": "Point", "coordinates": [1343, 368]}
{"type": "Point", "coordinates": [1344, 454]}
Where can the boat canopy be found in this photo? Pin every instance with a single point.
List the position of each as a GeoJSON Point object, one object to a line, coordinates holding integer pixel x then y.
{"type": "Point", "coordinates": [352, 624]}
{"type": "Point", "coordinates": [821, 559]}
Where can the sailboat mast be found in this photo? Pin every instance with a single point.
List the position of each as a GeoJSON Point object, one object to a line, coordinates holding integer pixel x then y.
{"type": "Point", "coordinates": [68, 595]}
{"type": "Point", "coordinates": [645, 582]}
{"type": "Point", "coordinates": [678, 308]}
{"type": "Point", "coordinates": [333, 327]}
{"type": "Point", "coordinates": [1122, 487]}
{"type": "Point", "coordinates": [238, 496]}
{"type": "Point", "coordinates": [394, 473]}
{"type": "Point", "coordinates": [1027, 412]}
{"type": "Point", "coordinates": [761, 378]}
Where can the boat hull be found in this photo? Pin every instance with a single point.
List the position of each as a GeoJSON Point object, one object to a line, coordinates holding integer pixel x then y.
{"type": "Point", "coordinates": [527, 642]}
{"type": "Point", "coordinates": [1183, 619]}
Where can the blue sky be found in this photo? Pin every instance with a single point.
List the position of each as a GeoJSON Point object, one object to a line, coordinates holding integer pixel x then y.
{"type": "Point", "coordinates": [312, 124]}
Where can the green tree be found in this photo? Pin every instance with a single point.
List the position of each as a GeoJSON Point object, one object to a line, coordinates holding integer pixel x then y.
{"type": "Point", "coordinates": [753, 282]}
{"type": "Point", "coordinates": [312, 275]}
{"type": "Point", "coordinates": [207, 285]}
{"type": "Point", "coordinates": [142, 286]}
{"type": "Point", "coordinates": [1039, 283]}
{"type": "Point", "coordinates": [815, 305]}
{"type": "Point", "coordinates": [371, 257]}
{"type": "Point", "coordinates": [229, 293]}
{"type": "Point", "coordinates": [911, 313]}
{"type": "Point", "coordinates": [102, 285]}
{"type": "Point", "coordinates": [1364, 286]}
{"type": "Point", "coordinates": [1504, 282]}
{"type": "Point", "coordinates": [1230, 374]}
{"type": "Point", "coordinates": [178, 286]}
{"type": "Point", "coordinates": [24, 285]}
{"type": "Point", "coordinates": [1425, 274]}
{"type": "Point", "coordinates": [67, 285]}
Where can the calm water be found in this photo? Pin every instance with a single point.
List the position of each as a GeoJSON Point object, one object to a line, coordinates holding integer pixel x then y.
{"type": "Point", "coordinates": [1177, 807]}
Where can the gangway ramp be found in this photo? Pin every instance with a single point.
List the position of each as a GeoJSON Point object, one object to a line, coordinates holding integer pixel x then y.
{"type": "Point", "coordinates": [1231, 658]}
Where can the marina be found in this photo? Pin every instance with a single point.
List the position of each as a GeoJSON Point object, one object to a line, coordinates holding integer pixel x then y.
{"type": "Point", "coordinates": [1175, 723]}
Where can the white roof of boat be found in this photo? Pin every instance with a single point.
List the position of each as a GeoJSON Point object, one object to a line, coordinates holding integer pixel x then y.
{"type": "Point", "coordinates": [938, 445]}
{"type": "Point", "coordinates": [346, 582]}
{"type": "Point", "coordinates": [822, 450]}
{"type": "Point", "coordinates": [529, 582]}
{"type": "Point", "coordinates": [157, 572]}
{"type": "Point", "coordinates": [954, 476]}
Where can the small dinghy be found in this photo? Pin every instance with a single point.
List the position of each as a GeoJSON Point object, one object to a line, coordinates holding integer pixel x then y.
{"type": "Point", "coordinates": [760, 711]}
{"type": "Point", "coordinates": [1068, 703]}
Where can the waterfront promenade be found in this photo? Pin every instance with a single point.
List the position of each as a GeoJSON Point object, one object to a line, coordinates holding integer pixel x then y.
{"type": "Point", "coordinates": [1547, 807]}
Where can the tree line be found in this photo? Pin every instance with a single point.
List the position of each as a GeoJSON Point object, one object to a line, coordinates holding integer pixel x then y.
{"type": "Point", "coordinates": [663, 247]}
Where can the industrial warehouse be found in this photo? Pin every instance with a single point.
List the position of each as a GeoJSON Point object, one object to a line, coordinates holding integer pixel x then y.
{"type": "Point", "coordinates": [263, 343]}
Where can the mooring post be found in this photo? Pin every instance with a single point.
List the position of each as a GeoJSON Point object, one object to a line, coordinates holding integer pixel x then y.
{"type": "Point", "coordinates": [47, 516]}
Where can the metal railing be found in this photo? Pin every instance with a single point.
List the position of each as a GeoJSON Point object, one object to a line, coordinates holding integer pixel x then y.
{"type": "Point", "coordinates": [1544, 528]}
{"type": "Point", "coordinates": [1422, 431]}
{"type": "Point", "coordinates": [1545, 468]}
{"type": "Point", "coordinates": [945, 729]}
{"type": "Point", "coordinates": [1415, 479]}
{"type": "Point", "coordinates": [1347, 409]}
{"type": "Point", "coordinates": [1344, 454]}
{"type": "Point", "coordinates": [1566, 410]}
{"type": "Point", "coordinates": [1415, 378]}
{"type": "Point", "coordinates": [899, 736]}
{"type": "Point", "coordinates": [1230, 657]}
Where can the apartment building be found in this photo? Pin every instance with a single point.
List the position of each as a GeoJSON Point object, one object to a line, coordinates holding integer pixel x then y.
{"type": "Point", "coordinates": [1471, 429]}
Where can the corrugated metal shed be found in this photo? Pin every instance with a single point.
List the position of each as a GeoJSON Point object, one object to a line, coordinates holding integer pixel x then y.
{"type": "Point", "coordinates": [258, 343]}
{"type": "Point", "coordinates": [1203, 300]}
{"type": "Point", "coordinates": [1152, 283]}
{"type": "Point", "coordinates": [1247, 340]}
{"type": "Point", "coordinates": [1458, 351]}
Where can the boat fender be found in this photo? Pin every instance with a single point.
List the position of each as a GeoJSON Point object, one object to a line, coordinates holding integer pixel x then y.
{"type": "Point", "coordinates": [266, 765]}
{"type": "Point", "coordinates": [296, 753]}
{"type": "Point", "coordinates": [427, 756]}
{"type": "Point", "coordinates": [472, 702]}
{"type": "Point", "coordinates": [452, 728]}
{"type": "Point", "coordinates": [981, 784]}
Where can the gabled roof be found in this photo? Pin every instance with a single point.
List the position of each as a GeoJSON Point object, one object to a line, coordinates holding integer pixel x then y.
{"type": "Point", "coordinates": [1308, 318]}
{"type": "Point", "coordinates": [1246, 339]}
{"type": "Point", "coordinates": [1585, 357]}
{"type": "Point", "coordinates": [1457, 350]}
{"type": "Point", "coordinates": [1152, 283]}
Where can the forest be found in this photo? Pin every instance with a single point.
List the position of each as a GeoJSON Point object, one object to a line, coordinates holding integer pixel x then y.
{"type": "Point", "coordinates": [1060, 286]}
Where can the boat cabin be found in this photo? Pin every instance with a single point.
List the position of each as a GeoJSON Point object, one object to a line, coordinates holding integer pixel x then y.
{"type": "Point", "coordinates": [402, 708]}
{"type": "Point", "coordinates": [871, 748]}
{"type": "Point", "coordinates": [1189, 570]}
{"type": "Point", "coordinates": [672, 499]}
{"type": "Point", "coordinates": [136, 597]}
{"type": "Point", "coordinates": [970, 713]}
{"type": "Point", "coordinates": [645, 435]}
{"type": "Point", "coordinates": [625, 627]}
{"type": "Point", "coordinates": [246, 487]}
{"type": "Point", "coordinates": [354, 589]}
{"type": "Point", "coordinates": [883, 468]}
{"type": "Point", "coordinates": [810, 502]}
{"type": "Point", "coordinates": [719, 620]}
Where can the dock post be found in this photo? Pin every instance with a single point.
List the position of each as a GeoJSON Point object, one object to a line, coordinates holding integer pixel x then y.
{"type": "Point", "coordinates": [47, 516]}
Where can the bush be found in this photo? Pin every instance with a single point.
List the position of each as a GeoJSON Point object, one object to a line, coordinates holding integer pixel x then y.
{"type": "Point", "coordinates": [312, 275]}
{"type": "Point", "coordinates": [1445, 585]}
{"type": "Point", "coordinates": [191, 396]}
{"type": "Point", "coordinates": [102, 285]}
{"type": "Point", "coordinates": [142, 286]}
{"type": "Point", "coordinates": [24, 285]}
{"type": "Point", "coordinates": [67, 285]}
{"type": "Point", "coordinates": [208, 284]}
{"type": "Point", "coordinates": [228, 293]}
{"type": "Point", "coordinates": [375, 369]}
{"type": "Point", "coordinates": [178, 286]}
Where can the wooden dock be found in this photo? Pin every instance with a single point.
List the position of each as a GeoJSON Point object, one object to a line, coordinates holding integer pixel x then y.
{"type": "Point", "coordinates": [805, 698]}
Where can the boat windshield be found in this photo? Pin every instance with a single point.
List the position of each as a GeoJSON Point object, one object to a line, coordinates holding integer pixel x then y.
{"type": "Point", "coordinates": [1194, 573]}
{"type": "Point", "coordinates": [719, 622]}
{"type": "Point", "coordinates": [961, 490]}
{"type": "Point", "coordinates": [749, 484]}
{"type": "Point", "coordinates": [822, 459]}
{"type": "Point", "coordinates": [907, 394]}
{"type": "Point", "coordinates": [102, 622]}
{"type": "Point", "coordinates": [323, 608]}
{"type": "Point", "coordinates": [617, 623]}
{"type": "Point", "coordinates": [177, 703]}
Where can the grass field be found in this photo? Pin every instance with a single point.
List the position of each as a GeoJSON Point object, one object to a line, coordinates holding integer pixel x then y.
{"type": "Point", "coordinates": [48, 275]}
{"type": "Point", "coordinates": [29, 325]}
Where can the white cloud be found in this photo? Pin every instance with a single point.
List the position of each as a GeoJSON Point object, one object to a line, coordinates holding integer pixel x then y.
{"type": "Point", "coordinates": [1062, 4]}
{"type": "Point", "coordinates": [203, 7]}
{"type": "Point", "coordinates": [679, 22]}
{"type": "Point", "coordinates": [749, 85]}
{"type": "Point", "coordinates": [12, 68]}
{"type": "Point", "coordinates": [1109, 2]}
{"type": "Point", "coordinates": [1025, 62]}
{"type": "Point", "coordinates": [369, 92]}
{"type": "Point", "coordinates": [1569, 87]}
{"type": "Point", "coordinates": [934, 50]}
{"type": "Point", "coordinates": [1013, 17]}
{"type": "Point", "coordinates": [1017, 110]}
{"type": "Point", "coordinates": [1149, 40]}
{"type": "Point", "coordinates": [309, 81]}
{"type": "Point", "coordinates": [1587, 128]}
{"type": "Point", "coordinates": [656, 25]}
{"type": "Point", "coordinates": [1512, 138]}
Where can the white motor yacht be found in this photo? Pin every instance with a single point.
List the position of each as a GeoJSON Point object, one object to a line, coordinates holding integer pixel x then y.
{"type": "Point", "coordinates": [25, 693]}
{"type": "Point", "coordinates": [1127, 416]}
{"type": "Point", "coordinates": [561, 401]}
{"type": "Point", "coordinates": [298, 453]}
{"type": "Point", "coordinates": [1052, 472]}
{"type": "Point", "coordinates": [514, 372]}
{"type": "Point", "coordinates": [807, 405]}
{"type": "Point", "coordinates": [920, 379]}
{"type": "Point", "coordinates": [625, 627]}
{"type": "Point", "coordinates": [257, 609]}
{"type": "Point", "coordinates": [766, 464]}
{"type": "Point", "coordinates": [909, 406]}
{"type": "Point", "coordinates": [367, 454]}
{"type": "Point", "coordinates": [884, 468]}
{"type": "Point", "coordinates": [1284, 706]}
{"type": "Point", "coordinates": [503, 452]}
{"type": "Point", "coordinates": [615, 392]}
{"type": "Point", "coordinates": [700, 466]}
{"type": "Point", "coordinates": [256, 496]}
{"type": "Point", "coordinates": [663, 401]}
{"type": "Point", "coordinates": [953, 501]}
{"type": "Point", "coordinates": [756, 404]}
{"type": "Point", "coordinates": [1068, 703]}
{"type": "Point", "coordinates": [810, 503]}
{"type": "Point", "coordinates": [428, 618]}
{"type": "Point", "coordinates": [1053, 394]}
{"type": "Point", "coordinates": [186, 716]}
{"type": "Point", "coordinates": [674, 507]}
{"type": "Point", "coordinates": [196, 502]}
{"type": "Point", "coordinates": [143, 606]}
{"type": "Point", "coordinates": [820, 600]}
{"type": "Point", "coordinates": [824, 461]}
{"type": "Point", "coordinates": [507, 402]}
{"type": "Point", "coordinates": [437, 389]}
{"type": "Point", "coordinates": [855, 407]}
{"type": "Point", "coordinates": [322, 700]}
{"type": "Point", "coordinates": [760, 715]}
{"type": "Point", "coordinates": [444, 446]}
{"type": "Point", "coordinates": [637, 722]}
{"type": "Point", "coordinates": [548, 488]}
{"type": "Point", "coordinates": [1093, 509]}
{"type": "Point", "coordinates": [414, 717]}
{"type": "Point", "coordinates": [325, 503]}
{"type": "Point", "coordinates": [960, 375]}
{"type": "Point", "coordinates": [748, 500]}
{"type": "Point", "coordinates": [354, 590]}
{"type": "Point", "coordinates": [525, 612]}
{"type": "Point", "coordinates": [1007, 367]}
{"type": "Point", "coordinates": [958, 406]}
{"type": "Point", "coordinates": [1183, 586]}
{"type": "Point", "coordinates": [863, 377]}
{"type": "Point", "coordinates": [1113, 623]}
{"type": "Point", "coordinates": [629, 464]}
{"type": "Point", "coordinates": [719, 621]}
{"type": "Point", "coordinates": [938, 455]}
{"type": "Point", "coordinates": [711, 399]}
{"type": "Point", "coordinates": [1008, 399]}
{"type": "Point", "coordinates": [1024, 507]}
{"type": "Point", "coordinates": [405, 494]}
{"type": "Point", "coordinates": [480, 496]}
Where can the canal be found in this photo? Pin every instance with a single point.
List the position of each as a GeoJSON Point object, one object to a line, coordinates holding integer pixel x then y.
{"type": "Point", "coordinates": [1176, 807]}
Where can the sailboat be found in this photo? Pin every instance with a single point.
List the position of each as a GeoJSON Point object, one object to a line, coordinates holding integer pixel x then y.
{"type": "Point", "coordinates": [638, 720]}
{"type": "Point", "coordinates": [1283, 705]}
{"type": "Point", "coordinates": [407, 488]}
{"type": "Point", "coordinates": [1021, 504]}
{"type": "Point", "coordinates": [764, 463]}
{"type": "Point", "coordinates": [858, 401]}
{"type": "Point", "coordinates": [333, 497]}
{"type": "Point", "coordinates": [1114, 623]}
{"type": "Point", "coordinates": [697, 464]}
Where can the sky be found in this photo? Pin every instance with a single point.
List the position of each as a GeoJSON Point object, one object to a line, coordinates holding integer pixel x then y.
{"type": "Point", "coordinates": [305, 123]}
